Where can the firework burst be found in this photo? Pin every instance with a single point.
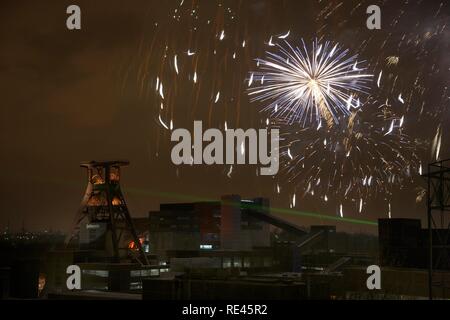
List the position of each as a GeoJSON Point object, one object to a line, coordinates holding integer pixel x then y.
{"type": "Point", "coordinates": [308, 86]}
{"type": "Point", "coordinates": [365, 155]}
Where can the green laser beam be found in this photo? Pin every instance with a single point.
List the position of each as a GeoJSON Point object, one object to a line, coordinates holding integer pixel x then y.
{"type": "Point", "coordinates": [193, 198]}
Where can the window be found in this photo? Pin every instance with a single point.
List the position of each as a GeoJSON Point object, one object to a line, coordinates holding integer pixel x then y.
{"type": "Point", "coordinates": [92, 226]}
{"type": "Point", "coordinates": [237, 262]}
{"type": "Point", "coordinates": [154, 272]}
{"type": "Point", "coordinates": [226, 262]}
{"type": "Point", "coordinates": [135, 285]}
{"type": "Point", "coordinates": [98, 273]}
{"type": "Point", "coordinates": [206, 246]}
{"type": "Point", "coordinates": [144, 273]}
{"type": "Point", "coordinates": [135, 273]}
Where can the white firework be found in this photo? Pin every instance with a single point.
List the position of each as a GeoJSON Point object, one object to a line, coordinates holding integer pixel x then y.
{"type": "Point", "coordinates": [305, 86]}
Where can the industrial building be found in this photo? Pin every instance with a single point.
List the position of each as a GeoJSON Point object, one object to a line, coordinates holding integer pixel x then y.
{"type": "Point", "coordinates": [233, 245]}
{"type": "Point", "coordinates": [237, 233]}
{"type": "Point", "coordinates": [230, 224]}
{"type": "Point", "coordinates": [404, 243]}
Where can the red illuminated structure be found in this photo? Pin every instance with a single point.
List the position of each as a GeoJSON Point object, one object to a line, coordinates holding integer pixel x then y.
{"type": "Point", "coordinates": [103, 204]}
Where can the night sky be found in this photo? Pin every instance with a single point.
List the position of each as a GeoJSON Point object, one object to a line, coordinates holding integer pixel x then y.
{"type": "Point", "coordinates": [69, 96]}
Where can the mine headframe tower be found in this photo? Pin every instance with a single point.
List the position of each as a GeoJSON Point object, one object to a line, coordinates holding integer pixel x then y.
{"type": "Point", "coordinates": [103, 202]}
{"type": "Point", "coordinates": [438, 215]}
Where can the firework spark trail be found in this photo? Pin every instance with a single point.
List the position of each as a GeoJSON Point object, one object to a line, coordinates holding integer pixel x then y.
{"type": "Point", "coordinates": [309, 85]}
{"type": "Point", "coordinates": [356, 160]}
{"type": "Point", "coordinates": [193, 18]}
{"type": "Point", "coordinates": [210, 47]}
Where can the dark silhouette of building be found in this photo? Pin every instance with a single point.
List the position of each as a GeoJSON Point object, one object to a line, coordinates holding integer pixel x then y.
{"type": "Point", "coordinates": [230, 224]}
{"type": "Point", "coordinates": [403, 243]}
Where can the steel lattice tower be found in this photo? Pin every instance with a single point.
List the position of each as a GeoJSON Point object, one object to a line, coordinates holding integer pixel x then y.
{"type": "Point", "coordinates": [438, 214]}
{"type": "Point", "coordinates": [103, 202]}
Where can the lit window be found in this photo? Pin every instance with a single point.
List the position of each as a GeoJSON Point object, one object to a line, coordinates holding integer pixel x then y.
{"type": "Point", "coordinates": [154, 272]}
{"type": "Point", "coordinates": [135, 273]}
{"type": "Point", "coordinates": [98, 273]}
{"type": "Point", "coordinates": [144, 273]}
{"type": "Point", "coordinates": [226, 263]}
{"type": "Point", "coordinates": [135, 285]}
